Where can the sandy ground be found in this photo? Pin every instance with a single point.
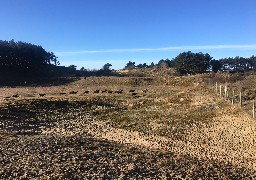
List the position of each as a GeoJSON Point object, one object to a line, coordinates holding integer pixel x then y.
{"type": "Point", "coordinates": [228, 141]}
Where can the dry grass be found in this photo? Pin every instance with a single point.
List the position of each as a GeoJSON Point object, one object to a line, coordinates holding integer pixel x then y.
{"type": "Point", "coordinates": [177, 129]}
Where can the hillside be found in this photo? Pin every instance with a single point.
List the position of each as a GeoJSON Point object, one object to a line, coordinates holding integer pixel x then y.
{"type": "Point", "coordinates": [127, 127]}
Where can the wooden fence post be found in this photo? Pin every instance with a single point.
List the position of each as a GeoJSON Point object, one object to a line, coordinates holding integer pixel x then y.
{"type": "Point", "coordinates": [240, 97]}
{"type": "Point", "coordinates": [253, 108]}
{"type": "Point", "coordinates": [216, 88]}
{"type": "Point", "coordinates": [220, 90]}
{"type": "Point", "coordinates": [225, 92]}
{"type": "Point", "coordinates": [233, 96]}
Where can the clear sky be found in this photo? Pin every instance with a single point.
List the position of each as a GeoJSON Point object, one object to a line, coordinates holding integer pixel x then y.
{"type": "Point", "coordinates": [90, 33]}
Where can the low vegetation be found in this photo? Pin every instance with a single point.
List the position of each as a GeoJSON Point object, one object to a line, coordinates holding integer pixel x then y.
{"type": "Point", "coordinates": [125, 127]}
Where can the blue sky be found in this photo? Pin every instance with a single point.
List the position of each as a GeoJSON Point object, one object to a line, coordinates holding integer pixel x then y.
{"type": "Point", "coordinates": [90, 33]}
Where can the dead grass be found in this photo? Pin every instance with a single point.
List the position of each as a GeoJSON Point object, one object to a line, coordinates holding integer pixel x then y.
{"type": "Point", "coordinates": [178, 129]}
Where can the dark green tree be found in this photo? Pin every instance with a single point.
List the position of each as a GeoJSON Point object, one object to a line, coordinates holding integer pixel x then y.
{"type": "Point", "coordinates": [162, 64]}
{"type": "Point", "coordinates": [142, 66]}
{"type": "Point", "coordinates": [73, 67]}
{"type": "Point", "coordinates": [152, 65]}
{"type": "Point", "coordinates": [215, 65]}
{"type": "Point", "coordinates": [192, 63]}
{"type": "Point", "coordinates": [252, 62]}
{"type": "Point", "coordinates": [21, 55]}
{"type": "Point", "coordinates": [145, 65]}
{"type": "Point", "coordinates": [106, 67]}
{"type": "Point", "coordinates": [238, 64]}
{"type": "Point", "coordinates": [83, 69]}
{"type": "Point", "coordinates": [130, 65]}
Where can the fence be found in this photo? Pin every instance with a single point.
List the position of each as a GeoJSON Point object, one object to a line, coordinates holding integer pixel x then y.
{"type": "Point", "coordinates": [234, 96]}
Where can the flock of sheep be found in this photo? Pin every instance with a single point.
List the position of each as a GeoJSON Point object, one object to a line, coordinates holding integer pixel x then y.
{"type": "Point", "coordinates": [133, 92]}
{"type": "Point", "coordinates": [97, 91]}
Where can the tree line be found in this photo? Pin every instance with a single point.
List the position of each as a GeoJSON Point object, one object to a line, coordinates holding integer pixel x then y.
{"type": "Point", "coordinates": [194, 63]}
{"type": "Point", "coordinates": [24, 56]}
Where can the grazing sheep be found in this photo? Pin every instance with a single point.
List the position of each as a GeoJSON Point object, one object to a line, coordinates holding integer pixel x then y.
{"type": "Point", "coordinates": [134, 94]}
{"type": "Point", "coordinates": [15, 95]}
{"type": "Point", "coordinates": [42, 94]}
{"type": "Point", "coordinates": [96, 91]}
{"type": "Point", "coordinates": [73, 92]}
{"type": "Point", "coordinates": [86, 91]}
{"type": "Point", "coordinates": [145, 90]}
{"type": "Point", "coordinates": [104, 91]}
{"type": "Point", "coordinates": [119, 91]}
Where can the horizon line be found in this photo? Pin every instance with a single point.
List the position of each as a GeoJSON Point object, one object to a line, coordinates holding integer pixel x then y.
{"type": "Point", "coordinates": [171, 48]}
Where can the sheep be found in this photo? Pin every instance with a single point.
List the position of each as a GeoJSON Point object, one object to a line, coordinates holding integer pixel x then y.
{"type": "Point", "coordinates": [145, 90]}
{"type": "Point", "coordinates": [96, 91]}
{"type": "Point", "coordinates": [134, 94]}
{"type": "Point", "coordinates": [86, 91]}
{"type": "Point", "coordinates": [73, 92]}
{"type": "Point", "coordinates": [104, 91]}
{"type": "Point", "coordinates": [119, 91]}
{"type": "Point", "coordinates": [15, 95]}
{"type": "Point", "coordinates": [42, 94]}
